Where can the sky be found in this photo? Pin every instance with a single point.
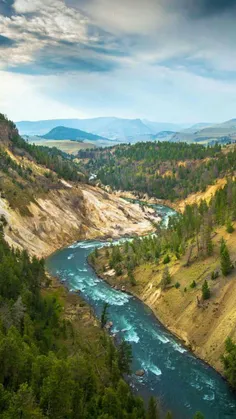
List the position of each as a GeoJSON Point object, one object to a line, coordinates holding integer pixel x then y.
{"type": "Point", "coordinates": [164, 60]}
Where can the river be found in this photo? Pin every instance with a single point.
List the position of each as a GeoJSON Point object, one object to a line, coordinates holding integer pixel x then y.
{"type": "Point", "coordinates": [183, 383]}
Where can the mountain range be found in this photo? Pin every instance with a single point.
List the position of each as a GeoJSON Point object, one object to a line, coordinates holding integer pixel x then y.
{"type": "Point", "coordinates": [108, 127]}
{"type": "Point", "coordinates": [112, 130]}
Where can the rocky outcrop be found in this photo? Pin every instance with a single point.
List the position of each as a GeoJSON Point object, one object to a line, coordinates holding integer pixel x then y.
{"type": "Point", "coordinates": [77, 212]}
{"type": "Point", "coordinates": [62, 212]}
{"type": "Point", "coordinates": [7, 132]}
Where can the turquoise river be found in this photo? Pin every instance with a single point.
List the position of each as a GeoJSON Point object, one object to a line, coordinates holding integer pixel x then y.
{"type": "Point", "coordinates": [183, 383]}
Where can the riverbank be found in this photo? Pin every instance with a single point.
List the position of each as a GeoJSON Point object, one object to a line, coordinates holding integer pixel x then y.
{"type": "Point", "coordinates": [179, 204]}
{"type": "Point", "coordinates": [203, 328]}
{"type": "Point", "coordinates": [155, 350]}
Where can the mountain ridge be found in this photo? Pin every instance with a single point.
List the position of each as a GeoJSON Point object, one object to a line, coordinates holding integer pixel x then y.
{"type": "Point", "coordinates": [73, 134]}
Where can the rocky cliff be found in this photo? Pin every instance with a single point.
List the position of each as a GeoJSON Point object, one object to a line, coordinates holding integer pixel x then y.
{"type": "Point", "coordinates": [44, 212]}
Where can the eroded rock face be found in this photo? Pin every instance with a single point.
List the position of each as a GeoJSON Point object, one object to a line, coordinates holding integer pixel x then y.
{"type": "Point", "coordinates": [76, 213]}
{"type": "Point", "coordinates": [6, 133]}
{"type": "Point", "coordinates": [63, 215]}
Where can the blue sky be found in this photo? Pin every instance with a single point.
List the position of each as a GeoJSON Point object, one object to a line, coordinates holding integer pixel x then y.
{"type": "Point", "coordinates": [165, 60]}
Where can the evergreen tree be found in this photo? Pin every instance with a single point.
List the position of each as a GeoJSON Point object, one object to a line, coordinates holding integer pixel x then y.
{"type": "Point", "coordinates": [124, 357]}
{"type": "Point", "coordinates": [166, 278]}
{"type": "Point", "coordinates": [104, 315]}
{"type": "Point", "coordinates": [229, 362]}
{"type": "Point", "coordinates": [153, 411]}
{"type": "Point", "coordinates": [229, 227]}
{"type": "Point", "coordinates": [132, 279]}
{"type": "Point", "coordinates": [208, 241]}
{"type": "Point", "coordinates": [205, 291]}
{"type": "Point", "coordinates": [226, 264]}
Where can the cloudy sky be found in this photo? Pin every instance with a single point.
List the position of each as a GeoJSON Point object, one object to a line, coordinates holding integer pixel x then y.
{"type": "Point", "coordinates": [165, 60]}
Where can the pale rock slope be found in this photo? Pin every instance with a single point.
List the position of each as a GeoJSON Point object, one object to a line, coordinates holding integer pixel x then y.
{"type": "Point", "coordinates": [78, 212]}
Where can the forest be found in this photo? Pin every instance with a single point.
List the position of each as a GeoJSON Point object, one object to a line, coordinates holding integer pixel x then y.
{"type": "Point", "coordinates": [47, 370]}
{"type": "Point", "coordinates": [188, 238]}
{"type": "Point", "coordinates": [192, 228]}
{"type": "Point", "coordinates": [160, 169]}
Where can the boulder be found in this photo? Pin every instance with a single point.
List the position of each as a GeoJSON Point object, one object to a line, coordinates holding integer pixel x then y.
{"type": "Point", "coordinates": [140, 373]}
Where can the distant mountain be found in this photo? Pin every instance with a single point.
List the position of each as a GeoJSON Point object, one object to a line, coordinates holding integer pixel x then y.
{"type": "Point", "coordinates": [163, 136]}
{"type": "Point", "coordinates": [163, 126]}
{"type": "Point", "coordinates": [116, 129]}
{"type": "Point", "coordinates": [197, 127]}
{"type": "Point", "coordinates": [119, 130]}
{"type": "Point", "coordinates": [108, 127]}
{"type": "Point", "coordinates": [226, 128]}
{"type": "Point", "coordinates": [65, 133]}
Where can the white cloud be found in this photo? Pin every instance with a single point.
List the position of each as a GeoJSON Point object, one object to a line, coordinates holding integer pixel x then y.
{"type": "Point", "coordinates": [24, 97]}
{"type": "Point", "coordinates": [53, 22]}
{"type": "Point", "coordinates": [126, 16]}
{"type": "Point", "coordinates": [161, 77]}
{"type": "Point", "coordinates": [30, 6]}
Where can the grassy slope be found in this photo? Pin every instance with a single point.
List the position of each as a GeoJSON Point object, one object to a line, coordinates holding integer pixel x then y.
{"type": "Point", "coordinates": [197, 197]}
{"type": "Point", "coordinates": [67, 146]}
{"type": "Point", "coordinates": [205, 328]}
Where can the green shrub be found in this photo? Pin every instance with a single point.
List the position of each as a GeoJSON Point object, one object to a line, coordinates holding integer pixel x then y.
{"type": "Point", "coordinates": [193, 284]}
{"type": "Point", "coordinates": [166, 259]}
{"type": "Point", "coordinates": [214, 275]}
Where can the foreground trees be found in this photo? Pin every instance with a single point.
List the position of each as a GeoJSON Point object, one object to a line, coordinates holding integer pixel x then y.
{"type": "Point", "coordinates": [229, 362]}
{"type": "Point", "coordinates": [47, 371]}
{"type": "Point", "coordinates": [226, 264]}
{"type": "Point", "coordinates": [205, 291]}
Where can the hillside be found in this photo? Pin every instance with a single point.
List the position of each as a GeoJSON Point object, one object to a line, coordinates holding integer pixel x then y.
{"type": "Point", "coordinates": [207, 133]}
{"type": "Point", "coordinates": [163, 170]}
{"type": "Point", "coordinates": [47, 202]}
{"type": "Point", "coordinates": [172, 271]}
{"type": "Point", "coordinates": [65, 133]}
{"type": "Point", "coordinates": [56, 360]}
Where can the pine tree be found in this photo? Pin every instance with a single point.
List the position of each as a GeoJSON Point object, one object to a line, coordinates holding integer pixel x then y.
{"type": "Point", "coordinates": [104, 315]}
{"type": "Point", "coordinates": [229, 227]}
{"type": "Point", "coordinates": [124, 357]}
{"type": "Point", "coordinates": [229, 362]}
{"type": "Point", "coordinates": [132, 279]}
{"type": "Point", "coordinates": [209, 244]}
{"type": "Point", "coordinates": [166, 278]}
{"type": "Point", "coordinates": [226, 264]}
{"type": "Point", "coordinates": [205, 291]}
{"type": "Point", "coordinates": [152, 412]}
